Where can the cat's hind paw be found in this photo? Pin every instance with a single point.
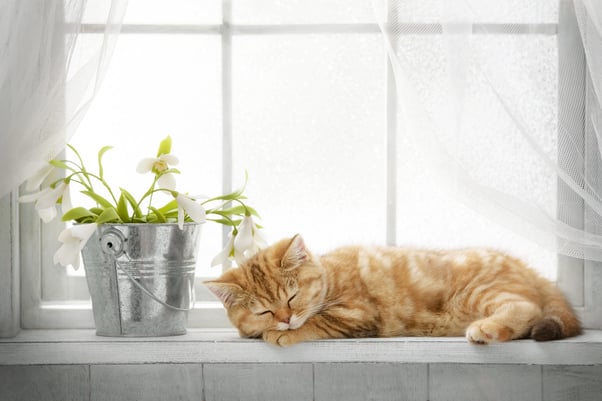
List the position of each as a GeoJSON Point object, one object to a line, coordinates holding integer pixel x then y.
{"type": "Point", "coordinates": [486, 332]}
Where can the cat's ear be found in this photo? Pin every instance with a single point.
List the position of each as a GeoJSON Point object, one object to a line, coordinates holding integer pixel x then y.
{"type": "Point", "coordinates": [228, 293]}
{"type": "Point", "coordinates": [296, 254]}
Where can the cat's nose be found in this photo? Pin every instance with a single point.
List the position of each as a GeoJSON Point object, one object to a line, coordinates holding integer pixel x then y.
{"type": "Point", "coordinates": [283, 316]}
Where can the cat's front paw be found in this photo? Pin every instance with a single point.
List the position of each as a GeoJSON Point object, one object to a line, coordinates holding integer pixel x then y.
{"type": "Point", "coordinates": [486, 331]}
{"type": "Point", "coordinates": [279, 338]}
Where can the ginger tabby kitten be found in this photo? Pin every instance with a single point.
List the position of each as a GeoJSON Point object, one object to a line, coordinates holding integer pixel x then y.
{"type": "Point", "coordinates": [285, 295]}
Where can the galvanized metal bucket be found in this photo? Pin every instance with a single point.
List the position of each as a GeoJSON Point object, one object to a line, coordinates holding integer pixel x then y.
{"type": "Point", "coordinates": [141, 278]}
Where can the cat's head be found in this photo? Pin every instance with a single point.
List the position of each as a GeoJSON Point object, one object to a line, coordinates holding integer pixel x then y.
{"type": "Point", "coordinates": [278, 288]}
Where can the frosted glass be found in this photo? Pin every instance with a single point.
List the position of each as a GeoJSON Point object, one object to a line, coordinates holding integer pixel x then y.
{"type": "Point", "coordinates": [160, 85]}
{"type": "Point", "coordinates": [488, 145]}
{"type": "Point", "coordinates": [530, 82]}
{"type": "Point", "coordinates": [430, 217]}
{"type": "Point", "coordinates": [174, 11]}
{"type": "Point", "coordinates": [479, 11]}
{"type": "Point", "coordinates": [160, 12]}
{"type": "Point", "coordinates": [309, 127]}
{"type": "Point", "coordinates": [302, 11]}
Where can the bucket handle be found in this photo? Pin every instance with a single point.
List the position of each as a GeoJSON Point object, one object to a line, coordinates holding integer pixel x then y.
{"type": "Point", "coordinates": [149, 293]}
{"type": "Point", "coordinates": [112, 243]}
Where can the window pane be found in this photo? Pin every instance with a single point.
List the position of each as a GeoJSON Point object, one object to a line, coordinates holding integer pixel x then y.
{"type": "Point", "coordinates": [301, 11]}
{"type": "Point", "coordinates": [174, 12]}
{"type": "Point", "coordinates": [309, 127]}
{"type": "Point", "coordinates": [480, 11]}
{"type": "Point", "coordinates": [160, 85]}
{"type": "Point", "coordinates": [489, 146]}
{"type": "Point", "coordinates": [159, 12]}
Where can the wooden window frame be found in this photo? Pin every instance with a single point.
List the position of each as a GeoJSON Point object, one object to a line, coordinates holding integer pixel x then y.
{"type": "Point", "coordinates": [22, 236]}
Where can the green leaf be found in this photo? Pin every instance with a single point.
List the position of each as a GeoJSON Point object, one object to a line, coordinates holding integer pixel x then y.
{"type": "Point", "coordinates": [77, 213]}
{"type": "Point", "coordinates": [226, 222]}
{"type": "Point", "coordinates": [253, 212]}
{"type": "Point", "coordinates": [79, 157]}
{"type": "Point", "coordinates": [98, 199]}
{"type": "Point", "coordinates": [160, 217]}
{"type": "Point", "coordinates": [164, 146]}
{"type": "Point", "coordinates": [236, 210]}
{"type": "Point", "coordinates": [132, 201]}
{"type": "Point", "coordinates": [172, 215]}
{"type": "Point", "coordinates": [96, 210]}
{"type": "Point", "coordinates": [101, 153]}
{"type": "Point", "coordinates": [228, 197]}
{"type": "Point", "coordinates": [173, 205]}
{"type": "Point", "coordinates": [218, 212]}
{"type": "Point", "coordinates": [237, 194]}
{"type": "Point", "coordinates": [109, 215]}
{"type": "Point", "coordinates": [59, 164]}
{"type": "Point", "coordinates": [240, 190]}
{"type": "Point", "coordinates": [122, 209]}
{"type": "Point", "coordinates": [222, 221]}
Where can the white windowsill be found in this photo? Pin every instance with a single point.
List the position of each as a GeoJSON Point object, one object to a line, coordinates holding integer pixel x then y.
{"type": "Point", "coordinates": [35, 347]}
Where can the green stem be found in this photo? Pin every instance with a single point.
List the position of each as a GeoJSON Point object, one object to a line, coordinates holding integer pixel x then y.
{"type": "Point", "coordinates": [66, 167]}
{"type": "Point", "coordinates": [148, 193]}
{"type": "Point", "coordinates": [80, 182]}
{"type": "Point", "coordinates": [247, 213]}
{"type": "Point", "coordinates": [234, 230]}
{"type": "Point", "coordinates": [152, 192]}
{"type": "Point", "coordinates": [225, 217]}
{"type": "Point", "coordinates": [87, 176]}
{"type": "Point", "coordinates": [85, 172]}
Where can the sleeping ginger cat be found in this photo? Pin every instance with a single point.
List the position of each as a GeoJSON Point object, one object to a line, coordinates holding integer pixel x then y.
{"type": "Point", "coordinates": [285, 295]}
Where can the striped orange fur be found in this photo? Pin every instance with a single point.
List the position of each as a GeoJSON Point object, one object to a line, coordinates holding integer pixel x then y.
{"type": "Point", "coordinates": [285, 295]}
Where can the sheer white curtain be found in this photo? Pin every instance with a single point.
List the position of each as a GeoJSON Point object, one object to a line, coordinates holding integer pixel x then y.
{"type": "Point", "coordinates": [44, 60]}
{"type": "Point", "coordinates": [589, 16]}
{"type": "Point", "coordinates": [493, 136]}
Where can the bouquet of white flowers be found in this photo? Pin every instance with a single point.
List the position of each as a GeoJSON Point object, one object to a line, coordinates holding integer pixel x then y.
{"type": "Point", "coordinates": [110, 205]}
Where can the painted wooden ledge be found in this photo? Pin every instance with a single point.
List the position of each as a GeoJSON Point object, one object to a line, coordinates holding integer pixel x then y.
{"type": "Point", "coordinates": [44, 347]}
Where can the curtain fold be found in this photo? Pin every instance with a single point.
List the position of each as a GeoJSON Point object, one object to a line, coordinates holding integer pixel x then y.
{"type": "Point", "coordinates": [589, 17]}
{"type": "Point", "coordinates": [485, 122]}
{"type": "Point", "coordinates": [49, 74]}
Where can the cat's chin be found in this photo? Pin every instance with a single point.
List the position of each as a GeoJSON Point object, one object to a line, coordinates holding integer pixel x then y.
{"type": "Point", "coordinates": [283, 326]}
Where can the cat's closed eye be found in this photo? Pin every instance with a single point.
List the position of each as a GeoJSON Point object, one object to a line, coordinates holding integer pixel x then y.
{"type": "Point", "coordinates": [264, 313]}
{"type": "Point", "coordinates": [290, 299]}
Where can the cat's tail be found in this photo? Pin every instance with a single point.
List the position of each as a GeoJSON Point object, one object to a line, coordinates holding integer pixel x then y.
{"type": "Point", "coordinates": [559, 320]}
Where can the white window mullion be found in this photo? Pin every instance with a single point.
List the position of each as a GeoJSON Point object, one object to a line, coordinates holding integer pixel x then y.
{"type": "Point", "coordinates": [209, 313]}
{"type": "Point", "coordinates": [227, 152]}
{"type": "Point", "coordinates": [9, 270]}
{"type": "Point", "coordinates": [571, 86]}
{"type": "Point", "coordinates": [591, 312]}
{"type": "Point", "coordinates": [391, 140]}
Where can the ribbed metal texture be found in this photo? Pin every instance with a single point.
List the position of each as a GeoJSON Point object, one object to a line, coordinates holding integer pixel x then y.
{"type": "Point", "coordinates": [141, 278]}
